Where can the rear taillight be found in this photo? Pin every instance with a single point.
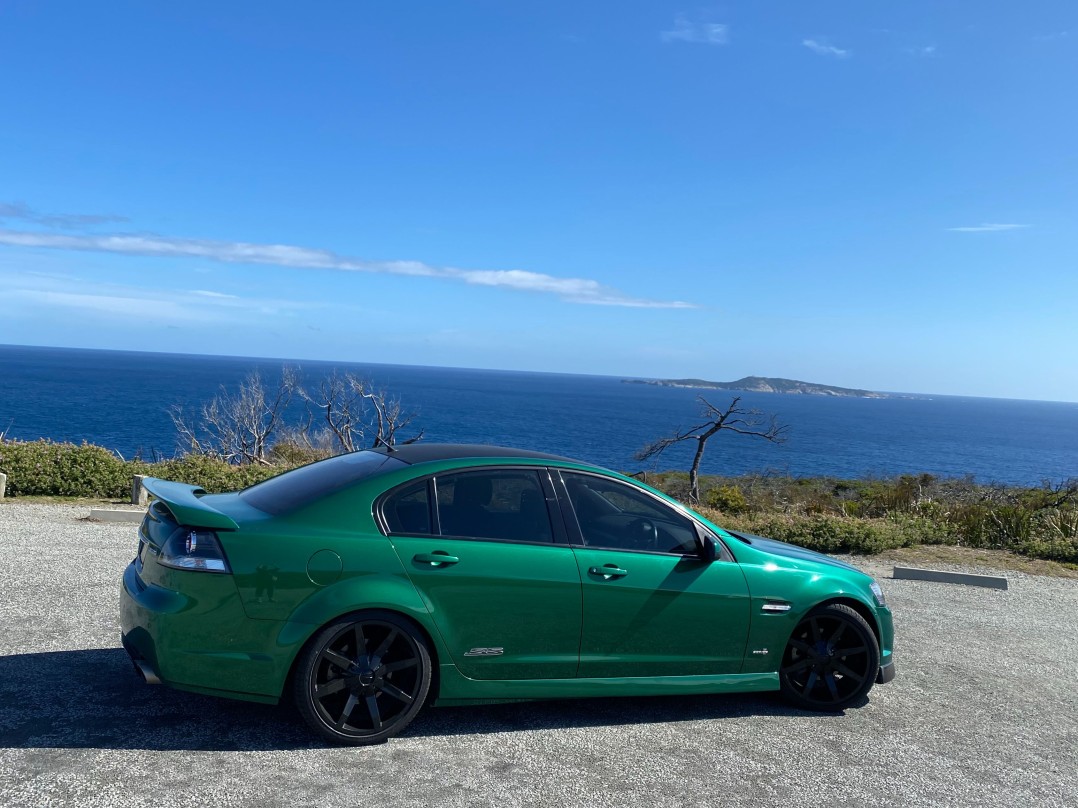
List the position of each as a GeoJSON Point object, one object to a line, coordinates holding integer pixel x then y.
{"type": "Point", "coordinates": [194, 549]}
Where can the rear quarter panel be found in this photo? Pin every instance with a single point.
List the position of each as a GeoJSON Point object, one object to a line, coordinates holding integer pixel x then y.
{"type": "Point", "coordinates": [271, 560]}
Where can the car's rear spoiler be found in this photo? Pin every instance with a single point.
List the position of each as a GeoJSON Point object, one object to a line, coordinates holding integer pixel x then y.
{"type": "Point", "coordinates": [186, 505]}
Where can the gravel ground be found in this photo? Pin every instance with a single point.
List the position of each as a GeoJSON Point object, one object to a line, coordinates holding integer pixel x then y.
{"type": "Point", "coordinates": [984, 711]}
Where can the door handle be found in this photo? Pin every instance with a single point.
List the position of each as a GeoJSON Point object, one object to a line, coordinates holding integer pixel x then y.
{"type": "Point", "coordinates": [608, 571]}
{"type": "Point", "coordinates": [439, 558]}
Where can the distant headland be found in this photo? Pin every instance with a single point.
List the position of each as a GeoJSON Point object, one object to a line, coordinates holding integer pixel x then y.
{"type": "Point", "coordinates": [764, 384]}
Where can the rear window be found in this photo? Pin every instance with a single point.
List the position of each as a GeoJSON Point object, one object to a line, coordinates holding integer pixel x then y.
{"type": "Point", "coordinates": [294, 489]}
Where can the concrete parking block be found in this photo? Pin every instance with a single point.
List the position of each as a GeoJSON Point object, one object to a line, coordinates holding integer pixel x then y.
{"type": "Point", "coordinates": [938, 576]}
{"type": "Point", "coordinates": [116, 515]}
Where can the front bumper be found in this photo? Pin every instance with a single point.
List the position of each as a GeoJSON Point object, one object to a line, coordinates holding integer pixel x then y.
{"type": "Point", "coordinates": [886, 672]}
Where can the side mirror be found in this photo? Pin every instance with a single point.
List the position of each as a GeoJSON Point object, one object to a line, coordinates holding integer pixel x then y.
{"type": "Point", "coordinates": [709, 550]}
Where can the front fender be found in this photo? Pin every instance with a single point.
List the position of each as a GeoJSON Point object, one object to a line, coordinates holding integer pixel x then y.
{"type": "Point", "coordinates": [803, 590]}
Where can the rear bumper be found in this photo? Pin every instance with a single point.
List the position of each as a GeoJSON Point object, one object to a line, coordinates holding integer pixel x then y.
{"type": "Point", "coordinates": [199, 638]}
{"type": "Point", "coordinates": [886, 672]}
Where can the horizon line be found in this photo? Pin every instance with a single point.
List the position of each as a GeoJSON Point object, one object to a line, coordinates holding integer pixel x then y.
{"type": "Point", "coordinates": [621, 376]}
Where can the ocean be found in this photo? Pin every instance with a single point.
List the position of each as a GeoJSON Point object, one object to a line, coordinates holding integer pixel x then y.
{"type": "Point", "coordinates": [120, 400]}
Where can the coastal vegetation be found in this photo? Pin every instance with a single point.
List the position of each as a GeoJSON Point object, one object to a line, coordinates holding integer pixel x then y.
{"type": "Point", "coordinates": [240, 437]}
{"type": "Point", "coordinates": [825, 514]}
{"type": "Point", "coordinates": [833, 515]}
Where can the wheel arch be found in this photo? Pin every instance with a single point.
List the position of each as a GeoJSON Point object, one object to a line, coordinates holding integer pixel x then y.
{"type": "Point", "coordinates": [383, 593]}
{"type": "Point", "coordinates": [315, 630]}
{"type": "Point", "coordinates": [862, 609]}
{"type": "Point", "coordinates": [822, 654]}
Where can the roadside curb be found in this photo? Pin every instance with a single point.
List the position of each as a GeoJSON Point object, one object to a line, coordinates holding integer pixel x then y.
{"type": "Point", "coordinates": [938, 576]}
{"type": "Point", "coordinates": [115, 515]}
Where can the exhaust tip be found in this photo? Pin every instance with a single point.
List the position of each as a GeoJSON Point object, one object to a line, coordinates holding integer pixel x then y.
{"type": "Point", "coordinates": [147, 672]}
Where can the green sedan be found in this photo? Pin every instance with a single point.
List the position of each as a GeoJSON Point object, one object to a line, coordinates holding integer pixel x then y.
{"type": "Point", "coordinates": [370, 584]}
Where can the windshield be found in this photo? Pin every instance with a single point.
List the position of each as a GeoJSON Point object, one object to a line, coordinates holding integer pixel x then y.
{"type": "Point", "coordinates": [294, 489]}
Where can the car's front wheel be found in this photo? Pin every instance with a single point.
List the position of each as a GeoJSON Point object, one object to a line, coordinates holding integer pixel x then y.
{"type": "Point", "coordinates": [363, 678]}
{"type": "Point", "coordinates": [831, 659]}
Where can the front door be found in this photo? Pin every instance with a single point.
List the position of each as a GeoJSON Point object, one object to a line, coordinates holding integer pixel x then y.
{"type": "Point", "coordinates": [652, 606]}
{"type": "Point", "coordinates": [504, 595]}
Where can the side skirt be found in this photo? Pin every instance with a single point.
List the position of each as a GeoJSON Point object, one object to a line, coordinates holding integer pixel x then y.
{"type": "Point", "coordinates": [457, 689]}
{"type": "Point", "coordinates": [225, 694]}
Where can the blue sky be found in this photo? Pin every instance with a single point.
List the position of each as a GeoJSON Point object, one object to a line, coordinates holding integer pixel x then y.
{"type": "Point", "coordinates": [869, 194]}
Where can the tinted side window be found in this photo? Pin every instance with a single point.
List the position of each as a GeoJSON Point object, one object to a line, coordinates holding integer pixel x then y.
{"type": "Point", "coordinates": [408, 510]}
{"type": "Point", "coordinates": [496, 504]}
{"type": "Point", "coordinates": [615, 515]}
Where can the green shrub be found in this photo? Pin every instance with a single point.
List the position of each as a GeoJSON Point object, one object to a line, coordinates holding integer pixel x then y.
{"type": "Point", "coordinates": [1057, 523]}
{"type": "Point", "coordinates": [726, 498]}
{"type": "Point", "coordinates": [292, 454]}
{"type": "Point", "coordinates": [42, 467]}
{"type": "Point", "coordinates": [1063, 550]}
{"type": "Point", "coordinates": [838, 534]}
{"type": "Point", "coordinates": [215, 475]}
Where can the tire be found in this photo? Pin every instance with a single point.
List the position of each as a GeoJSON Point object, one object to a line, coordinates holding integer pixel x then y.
{"type": "Point", "coordinates": [362, 679]}
{"type": "Point", "coordinates": [831, 659]}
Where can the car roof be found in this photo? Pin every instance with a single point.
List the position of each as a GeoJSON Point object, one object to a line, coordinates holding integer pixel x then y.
{"type": "Point", "coordinates": [415, 453]}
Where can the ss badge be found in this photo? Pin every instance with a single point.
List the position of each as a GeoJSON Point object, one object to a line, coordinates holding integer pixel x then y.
{"type": "Point", "coordinates": [485, 652]}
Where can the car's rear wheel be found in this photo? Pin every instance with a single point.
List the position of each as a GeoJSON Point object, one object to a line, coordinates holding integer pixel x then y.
{"type": "Point", "coordinates": [363, 678]}
{"type": "Point", "coordinates": [831, 659]}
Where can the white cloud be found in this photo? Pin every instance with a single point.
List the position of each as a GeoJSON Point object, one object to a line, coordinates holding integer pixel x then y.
{"type": "Point", "coordinates": [573, 290]}
{"type": "Point", "coordinates": [922, 50]}
{"type": "Point", "coordinates": [20, 210]}
{"type": "Point", "coordinates": [111, 299]}
{"type": "Point", "coordinates": [135, 306]}
{"type": "Point", "coordinates": [824, 49]}
{"type": "Point", "coordinates": [702, 32]}
{"type": "Point", "coordinates": [987, 228]}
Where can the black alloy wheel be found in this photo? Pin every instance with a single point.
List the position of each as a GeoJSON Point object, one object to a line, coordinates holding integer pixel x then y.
{"type": "Point", "coordinates": [363, 678]}
{"type": "Point", "coordinates": [831, 659]}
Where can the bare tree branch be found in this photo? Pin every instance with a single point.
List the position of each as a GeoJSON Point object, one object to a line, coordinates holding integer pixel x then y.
{"type": "Point", "coordinates": [357, 414]}
{"type": "Point", "coordinates": [243, 426]}
{"type": "Point", "coordinates": [733, 419]}
{"type": "Point", "coordinates": [238, 426]}
{"type": "Point", "coordinates": [188, 436]}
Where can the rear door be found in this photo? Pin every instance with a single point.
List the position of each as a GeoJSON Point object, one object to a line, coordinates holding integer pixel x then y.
{"type": "Point", "coordinates": [652, 606]}
{"type": "Point", "coordinates": [503, 590]}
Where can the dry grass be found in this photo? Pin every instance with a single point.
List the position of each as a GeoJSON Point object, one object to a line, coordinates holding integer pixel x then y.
{"type": "Point", "coordinates": [928, 554]}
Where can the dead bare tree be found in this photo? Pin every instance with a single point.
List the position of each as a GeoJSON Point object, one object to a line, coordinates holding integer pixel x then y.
{"type": "Point", "coordinates": [356, 414]}
{"type": "Point", "coordinates": [733, 418]}
{"type": "Point", "coordinates": [249, 426]}
{"type": "Point", "coordinates": [238, 426]}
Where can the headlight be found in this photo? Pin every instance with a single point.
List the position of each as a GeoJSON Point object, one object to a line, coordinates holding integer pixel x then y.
{"type": "Point", "coordinates": [877, 593]}
{"type": "Point", "coordinates": [191, 549]}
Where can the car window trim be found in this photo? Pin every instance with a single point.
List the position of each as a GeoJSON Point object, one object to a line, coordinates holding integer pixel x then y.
{"type": "Point", "coordinates": [558, 535]}
{"type": "Point", "coordinates": [432, 504]}
{"type": "Point", "coordinates": [382, 521]}
{"type": "Point", "coordinates": [553, 507]}
{"type": "Point", "coordinates": [577, 535]}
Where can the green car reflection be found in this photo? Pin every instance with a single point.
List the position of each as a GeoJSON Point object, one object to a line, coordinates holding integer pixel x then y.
{"type": "Point", "coordinates": [370, 584]}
